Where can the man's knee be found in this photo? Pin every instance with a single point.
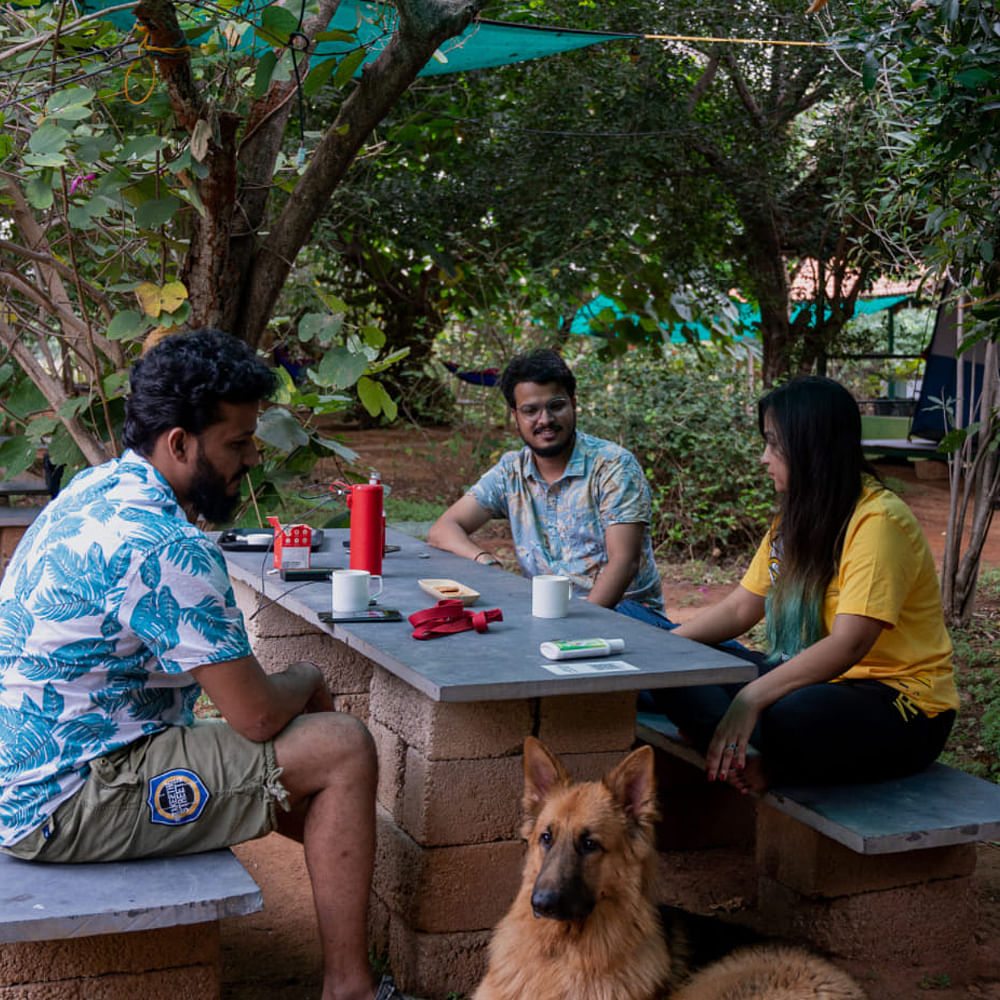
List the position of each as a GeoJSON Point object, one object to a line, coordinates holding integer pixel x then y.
{"type": "Point", "coordinates": [326, 742]}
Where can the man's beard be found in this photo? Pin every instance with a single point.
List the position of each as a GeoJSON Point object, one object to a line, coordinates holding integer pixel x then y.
{"type": "Point", "coordinates": [556, 448]}
{"type": "Point", "coordinates": [209, 493]}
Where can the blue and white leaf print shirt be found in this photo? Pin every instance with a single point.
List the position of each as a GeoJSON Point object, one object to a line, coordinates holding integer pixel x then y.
{"type": "Point", "coordinates": [560, 527]}
{"type": "Point", "coordinates": [109, 601]}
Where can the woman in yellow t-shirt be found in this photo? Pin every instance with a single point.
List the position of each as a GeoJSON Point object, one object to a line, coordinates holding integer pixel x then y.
{"type": "Point", "coordinates": [858, 682]}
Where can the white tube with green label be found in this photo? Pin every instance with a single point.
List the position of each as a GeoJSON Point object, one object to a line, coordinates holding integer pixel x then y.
{"type": "Point", "coordinates": [579, 649]}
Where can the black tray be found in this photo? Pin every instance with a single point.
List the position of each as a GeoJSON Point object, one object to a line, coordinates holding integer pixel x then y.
{"type": "Point", "coordinates": [235, 540]}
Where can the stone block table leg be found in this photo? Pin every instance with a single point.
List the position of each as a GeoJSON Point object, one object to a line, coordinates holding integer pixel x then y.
{"type": "Point", "coordinates": [449, 814]}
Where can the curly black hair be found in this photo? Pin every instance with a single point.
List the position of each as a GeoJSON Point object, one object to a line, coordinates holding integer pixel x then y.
{"type": "Point", "coordinates": [181, 381]}
{"type": "Point", "coordinates": [540, 366]}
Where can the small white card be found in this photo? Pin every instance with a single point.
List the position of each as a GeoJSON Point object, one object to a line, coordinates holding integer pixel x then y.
{"type": "Point", "coordinates": [566, 667]}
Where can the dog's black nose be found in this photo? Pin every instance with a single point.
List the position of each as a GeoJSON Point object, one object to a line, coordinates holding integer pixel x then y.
{"type": "Point", "coordinates": [560, 904]}
{"type": "Point", "coordinates": [546, 903]}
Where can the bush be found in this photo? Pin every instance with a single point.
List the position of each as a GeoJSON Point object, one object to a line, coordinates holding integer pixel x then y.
{"type": "Point", "coordinates": [695, 434]}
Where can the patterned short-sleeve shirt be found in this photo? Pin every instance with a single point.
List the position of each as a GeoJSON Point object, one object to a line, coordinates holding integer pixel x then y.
{"type": "Point", "coordinates": [560, 527]}
{"type": "Point", "coordinates": [110, 600]}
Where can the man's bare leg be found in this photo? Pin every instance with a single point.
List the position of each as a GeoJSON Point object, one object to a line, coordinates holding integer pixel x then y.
{"type": "Point", "coordinates": [330, 772]}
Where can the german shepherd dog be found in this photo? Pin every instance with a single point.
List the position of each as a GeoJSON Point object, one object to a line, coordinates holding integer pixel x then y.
{"type": "Point", "coordinates": [585, 926]}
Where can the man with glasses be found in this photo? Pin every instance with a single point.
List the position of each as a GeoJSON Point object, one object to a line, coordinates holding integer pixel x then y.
{"type": "Point", "coordinates": [578, 506]}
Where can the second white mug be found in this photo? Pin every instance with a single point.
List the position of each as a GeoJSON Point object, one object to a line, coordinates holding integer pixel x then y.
{"type": "Point", "coordinates": [550, 596]}
{"type": "Point", "coordinates": [352, 589]}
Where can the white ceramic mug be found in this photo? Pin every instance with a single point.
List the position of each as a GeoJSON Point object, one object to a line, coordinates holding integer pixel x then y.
{"type": "Point", "coordinates": [550, 596]}
{"type": "Point", "coordinates": [352, 589]}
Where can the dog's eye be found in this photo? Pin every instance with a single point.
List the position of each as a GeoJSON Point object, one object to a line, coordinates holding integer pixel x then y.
{"type": "Point", "coordinates": [545, 838]}
{"type": "Point", "coordinates": [590, 845]}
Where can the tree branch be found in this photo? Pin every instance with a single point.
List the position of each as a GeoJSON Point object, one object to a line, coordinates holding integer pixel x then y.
{"type": "Point", "coordinates": [52, 390]}
{"type": "Point", "coordinates": [423, 26]}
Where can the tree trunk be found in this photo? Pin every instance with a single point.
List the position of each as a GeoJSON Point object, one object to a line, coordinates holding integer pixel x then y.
{"type": "Point", "coordinates": [423, 26]}
{"type": "Point", "coordinates": [233, 280]}
{"type": "Point", "coordinates": [974, 474]}
{"type": "Point", "coordinates": [768, 275]}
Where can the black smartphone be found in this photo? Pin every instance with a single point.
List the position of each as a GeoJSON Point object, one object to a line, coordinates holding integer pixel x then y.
{"type": "Point", "coordinates": [371, 615]}
{"type": "Point", "coordinates": [389, 548]}
{"type": "Point", "coordinates": [304, 573]}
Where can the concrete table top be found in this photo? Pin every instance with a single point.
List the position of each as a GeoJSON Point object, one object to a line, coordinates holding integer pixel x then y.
{"type": "Point", "coordinates": [504, 662]}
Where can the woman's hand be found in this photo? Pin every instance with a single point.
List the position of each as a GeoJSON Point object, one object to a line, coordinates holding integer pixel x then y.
{"type": "Point", "coordinates": [728, 749]}
{"type": "Point", "coordinates": [851, 637]}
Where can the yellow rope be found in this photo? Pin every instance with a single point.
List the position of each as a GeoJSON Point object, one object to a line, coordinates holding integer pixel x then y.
{"type": "Point", "coordinates": [145, 52]}
{"type": "Point", "coordinates": [732, 41]}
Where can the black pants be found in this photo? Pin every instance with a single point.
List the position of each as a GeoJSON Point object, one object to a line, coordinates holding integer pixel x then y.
{"type": "Point", "coordinates": [851, 731]}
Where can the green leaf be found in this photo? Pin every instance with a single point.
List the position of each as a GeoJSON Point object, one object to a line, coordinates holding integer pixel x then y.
{"type": "Point", "coordinates": [375, 399]}
{"type": "Point", "coordinates": [334, 304]}
{"type": "Point", "coordinates": [49, 138]}
{"type": "Point", "coordinates": [262, 78]}
{"type": "Point", "coordinates": [276, 24]}
{"type": "Point", "coordinates": [64, 100]}
{"type": "Point", "coordinates": [72, 407]}
{"type": "Point", "coordinates": [17, 455]}
{"type": "Point", "coordinates": [141, 148]}
{"type": "Point", "coordinates": [38, 191]}
{"type": "Point", "coordinates": [278, 428]}
{"type": "Point", "coordinates": [114, 383]}
{"type": "Point", "coordinates": [373, 336]}
{"type": "Point", "coordinates": [156, 212]}
{"type": "Point", "coordinates": [26, 398]}
{"type": "Point", "coordinates": [971, 78]}
{"type": "Point", "coordinates": [46, 159]}
{"type": "Point", "coordinates": [348, 65]}
{"type": "Point", "coordinates": [318, 76]}
{"type": "Point", "coordinates": [340, 368]}
{"type": "Point", "coordinates": [126, 325]}
{"type": "Point", "coordinates": [338, 448]}
{"type": "Point", "coordinates": [336, 35]}
{"type": "Point", "coordinates": [42, 427]}
{"type": "Point", "coordinates": [63, 449]}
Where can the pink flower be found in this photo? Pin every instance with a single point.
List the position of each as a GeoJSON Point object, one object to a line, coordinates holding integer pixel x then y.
{"type": "Point", "coordinates": [80, 179]}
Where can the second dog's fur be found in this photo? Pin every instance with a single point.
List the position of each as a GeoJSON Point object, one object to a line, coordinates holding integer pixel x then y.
{"type": "Point", "coordinates": [585, 926]}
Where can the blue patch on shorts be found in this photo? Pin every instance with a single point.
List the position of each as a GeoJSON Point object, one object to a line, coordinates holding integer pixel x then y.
{"type": "Point", "coordinates": [176, 797]}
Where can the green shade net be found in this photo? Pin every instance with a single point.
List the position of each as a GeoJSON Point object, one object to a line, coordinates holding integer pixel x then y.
{"type": "Point", "coordinates": [596, 317]}
{"type": "Point", "coordinates": [483, 44]}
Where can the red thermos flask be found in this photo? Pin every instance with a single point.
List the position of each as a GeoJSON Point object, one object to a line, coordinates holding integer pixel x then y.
{"type": "Point", "coordinates": [367, 525]}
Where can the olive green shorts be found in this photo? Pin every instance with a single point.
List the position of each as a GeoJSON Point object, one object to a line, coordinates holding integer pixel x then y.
{"type": "Point", "coordinates": [183, 790]}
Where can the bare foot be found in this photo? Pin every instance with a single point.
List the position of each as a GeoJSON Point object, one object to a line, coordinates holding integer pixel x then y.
{"type": "Point", "coordinates": [751, 778]}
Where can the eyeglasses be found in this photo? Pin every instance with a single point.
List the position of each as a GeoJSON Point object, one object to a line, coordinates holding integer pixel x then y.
{"type": "Point", "coordinates": [554, 408]}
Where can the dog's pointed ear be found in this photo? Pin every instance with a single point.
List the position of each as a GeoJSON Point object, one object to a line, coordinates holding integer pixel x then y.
{"type": "Point", "coordinates": [542, 772]}
{"type": "Point", "coordinates": [633, 785]}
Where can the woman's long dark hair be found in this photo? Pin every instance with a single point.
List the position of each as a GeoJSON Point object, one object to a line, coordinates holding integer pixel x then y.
{"type": "Point", "coordinates": [818, 428]}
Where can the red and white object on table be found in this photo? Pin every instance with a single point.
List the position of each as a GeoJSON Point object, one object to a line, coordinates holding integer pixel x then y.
{"type": "Point", "coordinates": [292, 545]}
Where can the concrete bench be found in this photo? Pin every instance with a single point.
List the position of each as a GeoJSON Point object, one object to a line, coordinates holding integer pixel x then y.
{"type": "Point", "coordinates": [935, 808]}
{"type": "Point", "coordinates": [146, 928]}
{"type": "Point", "coordinates": [838, 865]}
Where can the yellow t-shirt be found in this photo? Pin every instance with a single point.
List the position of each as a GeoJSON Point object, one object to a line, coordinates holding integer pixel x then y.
{"type": "Point", "coordinates": [886, 572]}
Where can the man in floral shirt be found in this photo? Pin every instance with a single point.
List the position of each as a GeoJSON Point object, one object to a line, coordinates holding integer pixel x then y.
{"type": "Point", "coordinates": [116, 611]}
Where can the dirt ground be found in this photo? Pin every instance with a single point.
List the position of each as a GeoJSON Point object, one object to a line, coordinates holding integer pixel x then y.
{"type": "Point", "coordinates": [274, 954]}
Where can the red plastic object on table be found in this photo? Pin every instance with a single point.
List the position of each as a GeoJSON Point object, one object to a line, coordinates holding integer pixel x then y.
{"type": "Point", "coordinates": [292, 544]}
{"type": "Point", "coordinates": [364, 500]}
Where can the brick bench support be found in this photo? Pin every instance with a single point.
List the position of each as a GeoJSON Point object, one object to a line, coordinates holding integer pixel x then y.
{"type": "Point", "coordinates": [118, 931]}
{"type": "Point", "coordinates": [871, 873]}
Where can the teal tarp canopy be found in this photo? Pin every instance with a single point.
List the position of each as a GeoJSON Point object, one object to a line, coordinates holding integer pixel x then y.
{"type": "Point", "coordinates": [483, 44]}
{"type": "Point", "coordinates": [589, 322]}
